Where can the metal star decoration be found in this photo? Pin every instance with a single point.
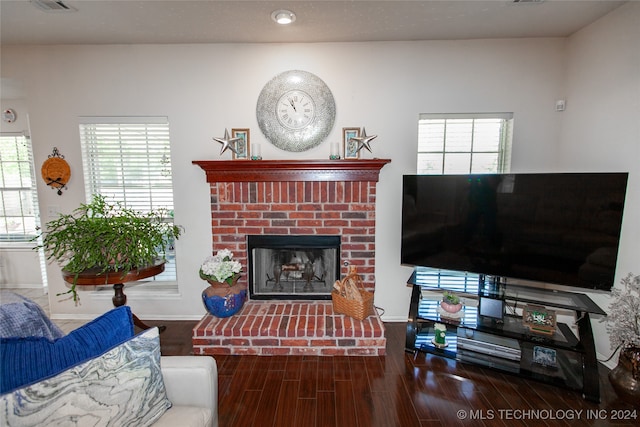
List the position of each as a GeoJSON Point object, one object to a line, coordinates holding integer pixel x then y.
{"type": "Point", "coordinates": [227, 142]}
{"type": "Point", "coordinates": [363, 140]}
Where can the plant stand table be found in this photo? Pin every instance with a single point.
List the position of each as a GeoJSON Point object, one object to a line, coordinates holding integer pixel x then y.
{"type": "Point", "coordinates": [93, 277]}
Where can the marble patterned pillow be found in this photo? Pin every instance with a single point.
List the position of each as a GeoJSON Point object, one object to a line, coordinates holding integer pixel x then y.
{"type": "Point", "coordinates": [121, 387]}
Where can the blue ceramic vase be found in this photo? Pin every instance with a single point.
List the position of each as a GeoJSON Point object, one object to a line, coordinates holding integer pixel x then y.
{"type": "Point", "coordinates": [222, 300]}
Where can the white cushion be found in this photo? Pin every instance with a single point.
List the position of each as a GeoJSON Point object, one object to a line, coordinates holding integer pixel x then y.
{"type": "Point", "coordinates": [191, 381]}
{"type": "Point", "coordinates": [185, 416]}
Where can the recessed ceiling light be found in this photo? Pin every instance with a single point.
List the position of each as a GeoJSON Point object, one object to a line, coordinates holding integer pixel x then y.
{"type": "Point", "coordinates": [283, 17]}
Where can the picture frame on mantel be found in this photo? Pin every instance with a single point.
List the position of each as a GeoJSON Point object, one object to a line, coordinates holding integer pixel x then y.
{"type": "Point", "coordinates": [243, 150]}
{"type": "Point", "coordinates": [350, 148]}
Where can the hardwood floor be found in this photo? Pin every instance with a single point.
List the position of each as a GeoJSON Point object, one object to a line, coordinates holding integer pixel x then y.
{"type": "Point", "coordinates": [393, 390]}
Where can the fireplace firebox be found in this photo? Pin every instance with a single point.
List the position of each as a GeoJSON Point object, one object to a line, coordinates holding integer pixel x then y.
{"type": "Point", "coordinates": [286, 267]}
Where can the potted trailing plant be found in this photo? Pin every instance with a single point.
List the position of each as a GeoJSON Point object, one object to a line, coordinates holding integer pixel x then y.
{"type": "Point", "coordinates": [623, 326]}
{"type": "Point", "coordinates": [224, 296]}
{"type": "Point", "coordinates": [107, 238]}
{"type": "Point", "coordinates": [450, 302]}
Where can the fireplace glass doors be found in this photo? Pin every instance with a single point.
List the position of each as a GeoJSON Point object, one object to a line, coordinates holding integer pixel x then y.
{"type": "Point", "coordinates": [287, 267]}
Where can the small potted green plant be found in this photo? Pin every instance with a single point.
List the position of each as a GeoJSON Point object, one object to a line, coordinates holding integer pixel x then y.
{"type": "Point", "coordinates": [450, 302]}
{"type": "Point", "coordinates": [107, 238]}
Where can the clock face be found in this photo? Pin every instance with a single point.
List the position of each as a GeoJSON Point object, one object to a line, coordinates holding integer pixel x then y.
{"type": "Point", "coordinates": [295, 110]}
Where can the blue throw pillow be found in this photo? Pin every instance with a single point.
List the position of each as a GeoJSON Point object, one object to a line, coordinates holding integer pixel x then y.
{"type": "Point", "coordinates": [27, 360]}
{"type": "Point", "coordinates": [122, 387]}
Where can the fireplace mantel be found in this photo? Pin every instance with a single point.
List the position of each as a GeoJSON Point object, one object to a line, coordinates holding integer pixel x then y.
{"type": "Point", "coordinates": [291, 170]}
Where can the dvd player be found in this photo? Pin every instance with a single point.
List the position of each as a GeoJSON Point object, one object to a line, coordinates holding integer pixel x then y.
{"type": "Point", "coordinates": [489, 361]}
{"type": "Point", "coordinates": [493, 345]}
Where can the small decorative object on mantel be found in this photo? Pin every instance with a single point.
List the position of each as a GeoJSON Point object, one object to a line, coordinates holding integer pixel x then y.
{"type": "Point", "coordinates": [243, 144]}
{"type": "Point", "coordinates": [623, 325]}
{"type": "Point", "coordinates": [363, 140]}
{"type": "Point", "coordinates": [349, 296]}
{"type": "Point", "coordinates": [227, 142]}
{"type": "Point", "coordinates": [56, 171]}
{"type": "Point", "coordinates": [223, 297]}
{"type": "Point", "coordinates": [257, 152]}
{"type": "Point", "coordinates": [334, 153]}
{"type": "Point", "coordinates": [349, 144]}
{"type": "Point", "coordinates": [539, 319]}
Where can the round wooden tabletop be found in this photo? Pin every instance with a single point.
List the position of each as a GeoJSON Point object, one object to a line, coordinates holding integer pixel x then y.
{"type": "Point", "coordinates": [94, 277]}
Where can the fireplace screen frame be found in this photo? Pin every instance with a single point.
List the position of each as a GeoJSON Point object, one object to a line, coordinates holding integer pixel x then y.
{"type": "Point", "coordinates": [293, 242]}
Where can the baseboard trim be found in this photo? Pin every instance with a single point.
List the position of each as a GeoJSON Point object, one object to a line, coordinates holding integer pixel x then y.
{"type": "Point", "coordinates": [22, 286]}
{"type": "Point", "coordinates": [154, 317]}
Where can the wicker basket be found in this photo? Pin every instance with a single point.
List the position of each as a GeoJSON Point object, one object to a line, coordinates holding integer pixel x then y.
{"type": "Point", "coordinates": [357, 308]}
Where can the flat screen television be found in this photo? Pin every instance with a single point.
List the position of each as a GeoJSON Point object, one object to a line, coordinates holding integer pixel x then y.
{"type": "Point", "coordinates": [559, 228]}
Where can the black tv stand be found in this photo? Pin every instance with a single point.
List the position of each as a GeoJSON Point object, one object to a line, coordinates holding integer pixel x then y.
{"type": "Point", "coordinates": [507, 344]}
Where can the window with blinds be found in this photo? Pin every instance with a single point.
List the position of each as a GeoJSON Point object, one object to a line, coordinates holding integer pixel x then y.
{"type": "Point", "coordinates": [128, 160]}
{"type": "Point", "coordinates": [464, 143]}
{"type": "Point", "coordinates": [18, 204]}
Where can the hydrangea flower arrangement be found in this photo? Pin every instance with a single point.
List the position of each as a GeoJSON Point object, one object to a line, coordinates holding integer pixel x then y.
{"type": "Point", "coordinates": [221, 267]}
{"type": "Point", "coordinates": [623, 322]}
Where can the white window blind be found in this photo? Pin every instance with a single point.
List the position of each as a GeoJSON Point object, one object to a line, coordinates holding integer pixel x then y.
{"type": "Point", "coordinates": [128, 159]}
{"type": "Point", "coordinates": [18, 205]}
{"type": "Point", "coordinates": [464, 143]}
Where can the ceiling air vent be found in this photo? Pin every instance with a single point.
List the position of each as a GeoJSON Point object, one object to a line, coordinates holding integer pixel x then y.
{"type": "Point", "coordinates": [528, 1]}
{"type": "Point", "coordinates": [53, 6]}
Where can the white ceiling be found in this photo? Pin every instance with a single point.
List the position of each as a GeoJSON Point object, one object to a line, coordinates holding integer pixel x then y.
{"type": "Point", "coordinates": [188, 21]}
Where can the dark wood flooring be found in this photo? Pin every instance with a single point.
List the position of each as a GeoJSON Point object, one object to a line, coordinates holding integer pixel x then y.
{"type": "Point", "coordinates": [394, 390]}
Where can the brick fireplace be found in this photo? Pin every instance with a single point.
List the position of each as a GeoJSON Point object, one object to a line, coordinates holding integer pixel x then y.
{"type": "Point", "coordinates": [293, 197]}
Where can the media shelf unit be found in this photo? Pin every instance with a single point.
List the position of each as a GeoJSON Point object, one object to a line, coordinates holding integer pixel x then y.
{"type": "Point", "coordinates": [506, 344]}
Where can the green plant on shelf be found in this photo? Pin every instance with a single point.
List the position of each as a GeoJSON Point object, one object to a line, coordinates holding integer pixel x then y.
{"type": "Point", "coordinates": [450, 298]}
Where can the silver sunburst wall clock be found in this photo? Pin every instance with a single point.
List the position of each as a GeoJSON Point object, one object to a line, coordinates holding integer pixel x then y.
{"type": "Point", "coordinates": [296, 110]}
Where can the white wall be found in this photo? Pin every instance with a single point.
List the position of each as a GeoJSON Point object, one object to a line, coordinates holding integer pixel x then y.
{"type": "Point", "coordinates": [13, 273]}
{"type": "Point", "coordinates": [204, 89]}
{"type": "Point", "coordinates": [601, 125]}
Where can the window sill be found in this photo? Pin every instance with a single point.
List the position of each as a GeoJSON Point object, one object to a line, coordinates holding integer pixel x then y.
{"type": "Point", "coordinates": [17, 245]}
{"type": "Point", "coordinates": [140, 290]}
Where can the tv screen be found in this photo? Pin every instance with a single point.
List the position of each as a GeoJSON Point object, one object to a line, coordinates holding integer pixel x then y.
{"type": "Point", "coordinates": [560, 228]}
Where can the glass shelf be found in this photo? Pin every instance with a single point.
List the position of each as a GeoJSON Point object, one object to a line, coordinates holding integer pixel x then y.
{"type": "Point", "coordinates": [430, 310]}
{"type": "Point", "coordinates": [507, 344]}
{"type": "Point", "coordinates": [424, 342]}
{"type": "Point", "coordinates": [445, 280]}
{"type": "Point", "coordinates": [552, 298]}
{"type": "Point", "coordinates": [511, 327]}
{"type": "Point", "coordinates": [473, 285]}
{"type": "Point", "coordinates": [561, 373]}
